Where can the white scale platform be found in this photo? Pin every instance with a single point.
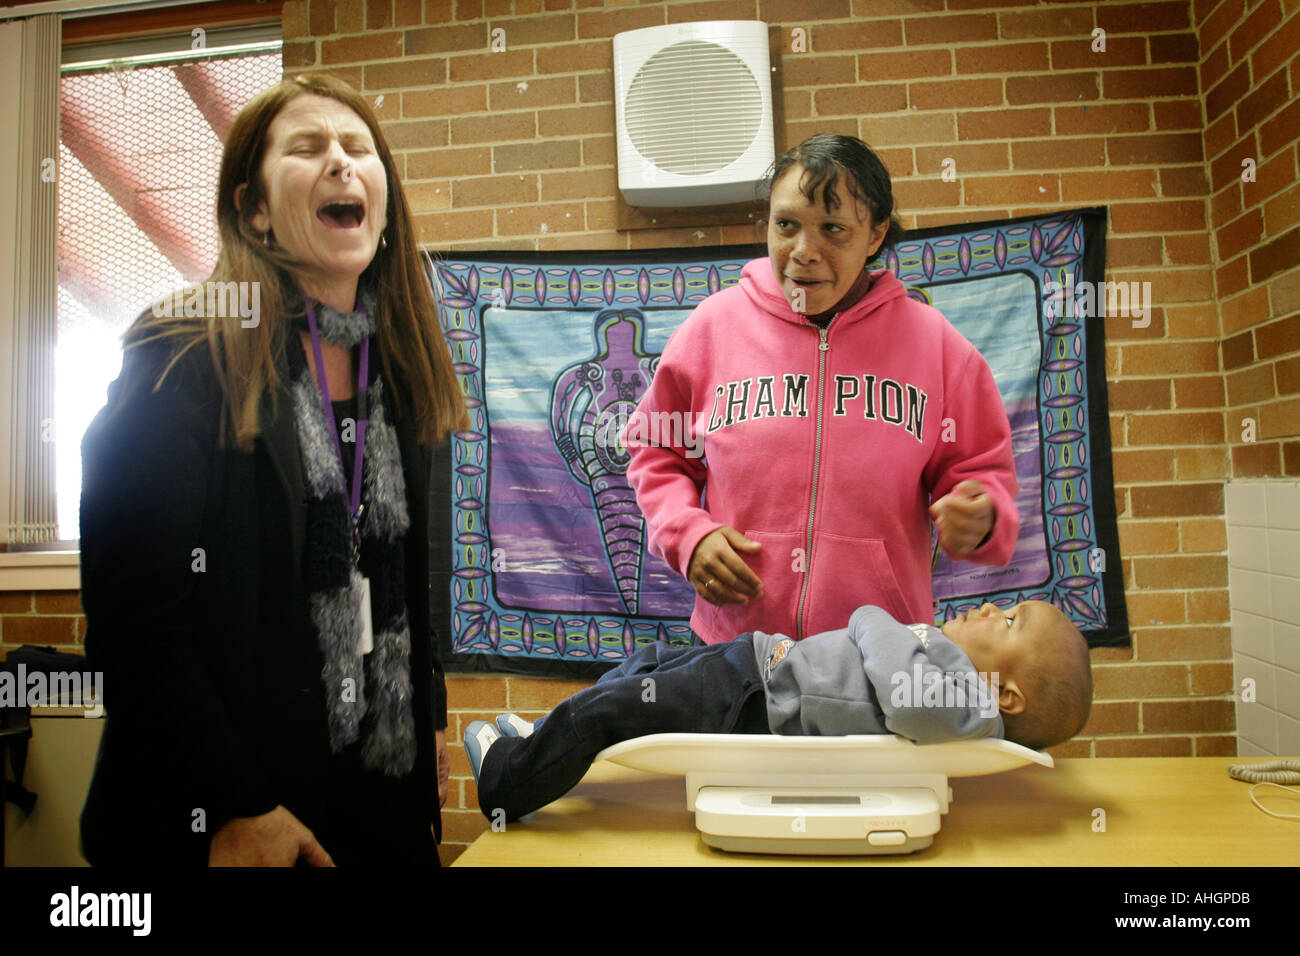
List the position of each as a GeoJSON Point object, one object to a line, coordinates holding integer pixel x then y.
{"type": "Point", "coordinates": [818, 795]}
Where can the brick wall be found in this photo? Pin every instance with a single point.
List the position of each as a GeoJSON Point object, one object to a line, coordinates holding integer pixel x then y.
{"type": "Point", "coordinates": [515, 150]}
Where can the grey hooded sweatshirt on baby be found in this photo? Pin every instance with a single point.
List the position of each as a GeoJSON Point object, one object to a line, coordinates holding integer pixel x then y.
{"type": "Point", "coordinates": [876, 676]}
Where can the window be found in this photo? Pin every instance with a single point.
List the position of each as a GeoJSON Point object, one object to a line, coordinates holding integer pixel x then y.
{"type": "Point", "coordinates": [141, 139]}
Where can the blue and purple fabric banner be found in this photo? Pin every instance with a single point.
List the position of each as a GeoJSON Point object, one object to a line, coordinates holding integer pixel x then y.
{"type": "Point", "coordinates": [544, 567]}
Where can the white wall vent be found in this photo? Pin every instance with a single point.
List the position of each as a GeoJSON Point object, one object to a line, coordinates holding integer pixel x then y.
{"type": "Point", "coordinates": [693, 105]}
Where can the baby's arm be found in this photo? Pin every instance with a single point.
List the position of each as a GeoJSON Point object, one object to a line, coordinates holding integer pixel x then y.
{"type": "Point", "coordinates": [924, 683]}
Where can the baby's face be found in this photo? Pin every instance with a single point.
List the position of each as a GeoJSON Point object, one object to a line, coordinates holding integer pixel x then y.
{"type": "Point", "coordinates": [997, 640]}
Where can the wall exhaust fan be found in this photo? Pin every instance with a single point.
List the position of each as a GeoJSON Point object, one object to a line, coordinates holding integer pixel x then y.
{"type": "Point", "coordinates": [693, 106]}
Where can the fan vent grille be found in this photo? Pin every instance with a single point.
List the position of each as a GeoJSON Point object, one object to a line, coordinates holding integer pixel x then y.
{"type": "Point", "coordinates": [693, 108]}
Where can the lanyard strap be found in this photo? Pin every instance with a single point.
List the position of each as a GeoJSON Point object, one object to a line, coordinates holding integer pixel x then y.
{"type": "Point", "coordinates": [354, 497]}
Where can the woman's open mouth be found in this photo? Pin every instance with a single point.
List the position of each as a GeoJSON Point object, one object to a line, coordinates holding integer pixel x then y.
{"type": "Point", "coordinates": [342, 213]}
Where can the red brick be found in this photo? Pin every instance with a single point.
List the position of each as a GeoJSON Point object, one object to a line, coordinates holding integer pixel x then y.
{"type": "Point", "coordinates": [559, 154]}
{"type": "Point", "coordinates": [1077, 53]}
{"type": "Point", "coordinates": [1058, 22]}
{"type": "Point", "coordinates": [33, 629]}
{"type": "Point", "coordinates": [1238, 350]}
{"type": "Point", "coordinates": [1240, 234]}
{"type": "Point", "coordinates": [1177, 428]}
{"type": "Point", "coordinates": [1280, 47]}
{"type": "Point", "coordinates": [1226, 205]}
{"type": "Point", "coordinates": [1276, 256]}
{"type": "Point", "coordinates": [1271, 340]}
{"type": "Point", "coordinates": [1183, 181]}
{"type": "Point", "coordinates": [58, 602]}
{"type": "Point", "coordinates": [1215, 66]}
{"type": "Point", "coordinates": [16, 602]}
{"type": "Point", "coordinates": [405, 73]}
{"type": "Point", "coordinates": [1103, 118]}
{"type": "Point", "coordinates": [822, 71]}
{"type": "Point", "coordinates": [1005, 124]}
{"type": "Point", "coordinates": [874, 34]}
{"type": "Point", "coordinates": [1144, 747]}
{"type": "Point", "coordinates": [980, 157]}
{"type": "Point", "coordinates": [711, 10]}
{"type": "Point", "coordinates": [1127, 251]}
{"type": "Point", "coordinates": [1175, 48]}
{"type": "Point", "coordinates": [1000, 58]}
{"type": "Point", "coordinates": [1150, 82]}
{"type": "Point", "coordinates": [491, 66]}
{"type": "Point", "coordinates": [950, 28]}
{"type": "Point", "coordinates": [1170, 215]}
{"type": "Point", "coordinates": [362, 49]}
{"type": "Point", "coordinates": [799, 11]}
{"type": "Point", "coordinates": [1021, 188]}
{"type": "Point", "coordinates": [538, 92]}
{"type": "Point", "coordinates": [1221, 134]}
{"type": "Point", "coordinates": [494, 191]}
{"type": "Point", "coordinates": [1255, 460]}
{"type": "Point", "coordinates": [1142, 17]}
{"type": "Point", "coordinates": [605, 23]}
{"type": "Point", "coordinates": [1051, 88]}
{"type": "Point", "coordinates": [1228, 92]}
{"type": "Point", "coordinates": [1137, 395]}
{"type": "Point", "coordinates": [1260, 103]}
{"type": "Point", "coordinates": [857, 100]}
{"type": "Point", "coordinates": [528, 31]}
{"type": "Point", "coordinates": [1177, 114]}
{"type": "Point", "coordinates": [1154, 149]}
{"type": "Point", "coordinates": [1183, 643]}
{"type": "Point", "coordinates": [1058, 153]}
{"type": "Point", "coordinates": [882, 67]}
{"type": "Point", "coordinates": [1250, 384]}
{"type": "Point", "coordinates": [1282, 211]}
{"type": "Point", "coordinates": [1164, 716]}
{"type": "Point", "coordinates": [1166, 359]}
{"type": "Point", "coordinates": [574, 58]}
{"type": "Point", "coordinates": [1261, 21]}
{"type": "Point", "coordinates": [1288, 375]}
{"type": "Point", "coordinates": [1180, 571]}
{"type": "Point", "coordinates": [1219, 24]}
{"type": "Point", "coordinates": [954, 94]}
{"type": "Point", "coordinates": [910, 130]}
{"type": "Point", "coordinates": [449, 162]}
{"type": "Point", "coordinates": [1228, 166]}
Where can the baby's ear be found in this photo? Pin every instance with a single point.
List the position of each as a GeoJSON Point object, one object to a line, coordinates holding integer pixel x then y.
{"type": "Point", "coordinates": [1011, 700]}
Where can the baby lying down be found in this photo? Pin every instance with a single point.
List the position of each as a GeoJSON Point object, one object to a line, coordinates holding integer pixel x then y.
{"type": "Point", "coordinates": [1022, 674]}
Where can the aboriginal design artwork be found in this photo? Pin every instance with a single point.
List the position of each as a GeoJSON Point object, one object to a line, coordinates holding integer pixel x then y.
{"type": "Point", "coordinates": [548, 558]}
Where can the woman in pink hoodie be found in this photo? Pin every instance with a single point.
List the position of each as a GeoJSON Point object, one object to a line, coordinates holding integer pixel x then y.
{"type": "Point", "coordinates": [824, 419]}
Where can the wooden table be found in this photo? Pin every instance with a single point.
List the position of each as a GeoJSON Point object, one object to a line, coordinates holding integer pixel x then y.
{"type": "Point", "coordinates": [1159, 811]}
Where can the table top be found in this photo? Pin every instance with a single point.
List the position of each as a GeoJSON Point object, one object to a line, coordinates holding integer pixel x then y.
{"type": "Point", "coordinates": [1118, 811]}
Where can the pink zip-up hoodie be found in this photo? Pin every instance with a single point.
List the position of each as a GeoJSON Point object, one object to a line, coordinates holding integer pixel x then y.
{"type": "Point", "coordinates": [825, 446]}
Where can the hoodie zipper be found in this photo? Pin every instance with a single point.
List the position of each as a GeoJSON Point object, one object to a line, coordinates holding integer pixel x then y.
{"type": "Point", "coordinates": [822, 348]}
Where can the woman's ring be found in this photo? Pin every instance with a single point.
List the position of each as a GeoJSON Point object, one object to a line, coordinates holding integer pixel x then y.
{"type": "Point", "coordinates": [708, 584]}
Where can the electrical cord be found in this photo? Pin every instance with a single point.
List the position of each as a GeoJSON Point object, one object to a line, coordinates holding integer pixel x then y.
{"type": "Point", "coordinates": [1272, 773]}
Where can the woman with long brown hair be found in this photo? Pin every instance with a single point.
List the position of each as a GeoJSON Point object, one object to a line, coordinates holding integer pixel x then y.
{"type": "Point", "coordinates": [255, 522]}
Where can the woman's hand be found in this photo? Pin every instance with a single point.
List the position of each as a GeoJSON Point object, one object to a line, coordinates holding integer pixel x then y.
{"type": "Point", "coordinates": [718, 573]}
{"type": "Point", "coordinates": [273, 839]}
{"type": "Point", "coordinates": [964, 517]}
{"type": "Point", "coordinates": [444, 765]}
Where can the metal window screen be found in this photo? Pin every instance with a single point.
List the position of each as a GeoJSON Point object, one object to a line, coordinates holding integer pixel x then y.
{"type": "Point", "coordinates": [138, 161]}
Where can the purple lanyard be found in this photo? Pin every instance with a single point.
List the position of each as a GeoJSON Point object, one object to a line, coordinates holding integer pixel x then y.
{"type": "Point", "coordinates": [363, 381]}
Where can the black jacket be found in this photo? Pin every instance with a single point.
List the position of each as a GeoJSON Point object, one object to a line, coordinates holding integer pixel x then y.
{"type": "Point", "coordinates": [192, 584]}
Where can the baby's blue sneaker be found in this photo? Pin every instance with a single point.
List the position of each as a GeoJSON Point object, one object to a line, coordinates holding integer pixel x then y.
{"type": "Point", "coordinates": [479, 736]}
{"type": "Point", "coordinates": [512, 725]}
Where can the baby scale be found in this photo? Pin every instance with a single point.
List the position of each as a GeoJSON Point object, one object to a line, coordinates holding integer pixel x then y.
{"type": "Point", "coordinates": [854, 795]}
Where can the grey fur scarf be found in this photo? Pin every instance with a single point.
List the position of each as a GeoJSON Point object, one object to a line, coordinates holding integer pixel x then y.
{"type": "Point", "coordinates": [368, 697]}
